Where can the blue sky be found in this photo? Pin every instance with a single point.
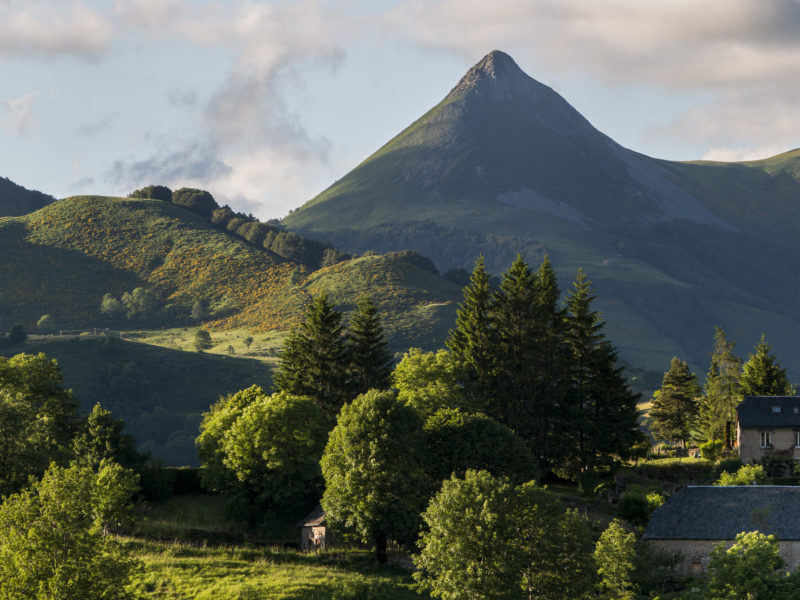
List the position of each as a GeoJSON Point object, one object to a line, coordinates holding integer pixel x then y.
{"type": "Point", "coordinates": [266, 103]}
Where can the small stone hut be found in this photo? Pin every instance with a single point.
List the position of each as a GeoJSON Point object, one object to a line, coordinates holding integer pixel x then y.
{"type": "Point", "coordinates": [314, 534]}
{"type": "Point", "coordinates": [697, 518]}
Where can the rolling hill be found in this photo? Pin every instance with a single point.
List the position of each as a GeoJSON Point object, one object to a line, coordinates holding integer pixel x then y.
{"type": "Point", "coordinates": [63, 259]}
{"type": "Point", "coordinates": [504, 165]}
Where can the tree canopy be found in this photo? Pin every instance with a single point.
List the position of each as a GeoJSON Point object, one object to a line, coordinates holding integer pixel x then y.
{"type": "Point", "coordinates": [762, 374]}
{"type": "Point", "coordinates": [52, 541]}
{"type": "Point", "coordinates": [675, 404]}
{"type": "Point", "coordinates": [373, 467]}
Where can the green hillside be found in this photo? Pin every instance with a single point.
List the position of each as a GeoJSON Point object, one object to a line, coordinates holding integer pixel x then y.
{"type": "Point", "coordinates": [64, 258]}
{"type": "Point", "coordinates": [504, 165]}
{"type": "Point", "coordinates": [160, 393]}
{"type": "Point", "coordinates": [16, 200]}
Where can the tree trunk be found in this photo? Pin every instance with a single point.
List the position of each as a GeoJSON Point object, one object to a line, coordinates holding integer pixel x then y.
{"type": "Point", "coordinates": [380, 547]}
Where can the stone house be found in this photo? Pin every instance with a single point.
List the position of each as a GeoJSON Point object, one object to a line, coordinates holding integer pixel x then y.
{"type": "Point", "coordinates": [768, 425]}
{"type": "Point", "coordinates": [314, 534]}
{"type": "Point", "coordinates": [697, 518]}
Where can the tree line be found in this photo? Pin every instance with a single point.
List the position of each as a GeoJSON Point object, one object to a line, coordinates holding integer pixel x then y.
{"type": "Point", "coordinates": [684, 412]}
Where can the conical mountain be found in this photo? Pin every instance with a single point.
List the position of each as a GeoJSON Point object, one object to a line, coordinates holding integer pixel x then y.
{"type": "Point", "coordinates": [501, 140]}
{"type": "Point", "coordinates": [504, 165]}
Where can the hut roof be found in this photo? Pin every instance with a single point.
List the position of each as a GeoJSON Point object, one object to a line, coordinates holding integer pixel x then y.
{"type": "Point", "coordinates": [720, 513]}
{"type": "Point", "coordinates": [315, 517]}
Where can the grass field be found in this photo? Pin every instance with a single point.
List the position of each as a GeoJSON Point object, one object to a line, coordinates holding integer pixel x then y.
{"type": "Point", "coordinates": [177, 569]}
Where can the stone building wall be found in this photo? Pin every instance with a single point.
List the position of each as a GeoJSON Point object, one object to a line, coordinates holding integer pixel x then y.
{"type": "Point", "coordinates": [695, 553]}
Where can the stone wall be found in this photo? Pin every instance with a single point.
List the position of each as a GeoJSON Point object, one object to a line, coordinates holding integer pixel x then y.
{"type": "Point", "coordinates": [695, 553]}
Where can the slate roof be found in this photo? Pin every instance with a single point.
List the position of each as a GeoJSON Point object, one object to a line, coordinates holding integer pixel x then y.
{"type": "Point", "coordinates": [315, 517]}
{"type": "Point", "coordinates": [756, 411]}
{"type": "Point", "coordinates": [719, 513]}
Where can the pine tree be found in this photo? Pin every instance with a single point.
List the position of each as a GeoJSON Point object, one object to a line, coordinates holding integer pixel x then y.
{"type": "Point", "coordinates": [601, 407]}
{"type": "Point", "coordinates": [717, 410]}
{"type": "Point", "coordinates": [314, 360]}
{"type": "Point", "coordinates": [370, 361]}
{"type": "Point", "coordinates": [470, 341]}
{"type": "Point", "coordinates": [762, 374]}
{"type": "Point", "coordinates": [675, 404]}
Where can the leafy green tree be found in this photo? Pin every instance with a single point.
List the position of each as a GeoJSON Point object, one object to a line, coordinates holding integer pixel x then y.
{"type": "Point", "coordinates": [459, 441]}
{"type": "Point", "coordinates": [485, 538]}
{"type": "Point", "coordinates": [199, 309]}
{"type": "Point", "coordinates": [111, 308]}
{"type": "Point", "coordinates": [674, 406]}
{"type": "Point", "coordinates": [368, 352]}
{"type": "Point", "coordinates": [156, 192]}
{"type": "Point", "coordinates": [248, 341]}
{"type": "Point", "coordinates": [428, 381]}
{"type": "Point", "coordinates": [554, 546]}
{"type": "Point", "coordinates": [762, 374]}
{"type": "Point", "coordinates": [600, 414]}
{"type": "Point", "coordinates": [46, 324]}
{"type": "Point", "coordinates": [198, 201]}
{"type": "Point", "coordinates": [314, 359]}
{"type": "Point", "coordinates": [373, 466]}
{"type": "Point", "coordinates": [101, 438]}
{"type": "Point", "coordinates": [637, 502]}
{"type": "Point", "coordinates": [140, 303]}
{"type": "Point", "coordinates": [216, 423]}
{"type": "Point", "coordinates": [615, 556]}
{"type": "Point", "coordinates": [274, 448]}
{"type": "Point", "coordinates": [722, 393]}
{"type": "Point", "coordinates": [751, 569]}
{"type": "Point", "coordinates": [52, 542]}
{"type": "Point", "coordinates": [470, 341]}
{"type": "Point", "coordinates": [745, 475]}
{"type": "Point", "coordinates": [202, 340]}
{"type": "Point", "coordinates": [468, 548]}
{"type": "Point", "coordinates": [38, 418]}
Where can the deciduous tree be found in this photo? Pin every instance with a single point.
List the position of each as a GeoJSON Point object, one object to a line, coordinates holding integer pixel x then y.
{"type": "Point", "coordinates": [373, 467]}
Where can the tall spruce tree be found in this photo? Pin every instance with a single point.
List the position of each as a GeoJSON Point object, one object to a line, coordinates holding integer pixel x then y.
{"type": "Point", "coordinates": [675, 404]}
{"type": "Point", "coordinates": [528, 359]}
{"type": "Point", "coordinates": [721, 393]}
{"type": "Point", "coordinates": [370, 361]}
{"type": "Point", "coordinates": [601, 407]}
{"type": "Point", "coordinates": [762, 374]}
{"type": "Point", "coordinates": [314, 360]}
{"type": "Point", "coordinates": [470, 341]}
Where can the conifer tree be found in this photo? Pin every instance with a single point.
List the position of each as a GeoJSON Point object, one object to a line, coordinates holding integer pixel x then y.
{"type": "Point", "coordinates": [370, 361]}
{"type": "Point", "coordinates": [675, 404]}
{"type": "Point", "coordinates": [314, 360]}
{"type": "Point", "coordinates": [469, 342]}
{"type": "Point", "coordinates": [601, 407]}
{"type": "Point", "coordinates": [762, 374]}
{"type": "Point", "coordinates": [717, 410]}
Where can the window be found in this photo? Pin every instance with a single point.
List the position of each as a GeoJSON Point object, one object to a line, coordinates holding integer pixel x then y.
{"type": "Point", "coordinates": [776, 409]}
{"type": "Point", "coordinates": [697, 568]}
{"type": "Point", "coordinates": [766, 439]}
{"type": "Point", "coordinates": [797, 439]}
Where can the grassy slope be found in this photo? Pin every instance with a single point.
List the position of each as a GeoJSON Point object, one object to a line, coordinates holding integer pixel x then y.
{"type": "Point", "coordinates": [177, 569]}
{"type": "Point", "coordinates": [159, 392]}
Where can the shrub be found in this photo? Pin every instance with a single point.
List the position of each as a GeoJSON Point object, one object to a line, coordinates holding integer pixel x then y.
{"type": "Point", "coordinates": [155, 192]}
{"type": "Point", "coordinates": [46, 324]}
{"type": "Point", "coordinates": [728, 465]}
{"type": "Point", "coordinates": [17, 334]}
{"type": "Point", "coordinates": [637, 503]}
{"type": "Point", "coordinates": [711, 449]}
{"type": "Point", "coordinates": [202, 340]}
{"type": "Point", "coordinates": [746, 475]}
{"type": "Point", "coordinates": [198, 201]}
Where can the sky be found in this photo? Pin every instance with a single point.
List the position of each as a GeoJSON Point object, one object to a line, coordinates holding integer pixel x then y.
{"type": "Point", "coordinates": [266, 103]}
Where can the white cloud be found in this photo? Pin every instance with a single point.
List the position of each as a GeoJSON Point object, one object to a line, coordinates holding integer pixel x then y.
{"type": "Point", "coordinates": [21, 112]}
{"type": "Point", "coordinates": [51, 28]}
{"type": "Point", "coordinates": [725, 154]}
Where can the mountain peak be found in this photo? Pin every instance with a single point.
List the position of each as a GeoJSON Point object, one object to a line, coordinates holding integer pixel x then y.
{"type": "Point", "coordinates": [496, 76]}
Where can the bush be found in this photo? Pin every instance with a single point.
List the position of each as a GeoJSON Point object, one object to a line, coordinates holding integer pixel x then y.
{"type": "Point", "coordinates": [46, 324]}
{"type": "Point", "coordinates": [198, 201]}
{"type": "Point", "coordinates": [155, 192]}
{"type": "Point", "coordinates": [637, 503]}
{"type": "Point", "coordinates": [202, 340]}
{"type": "Point", "coordinates": [711, 449]}
{"type": "Point", "coordinates": [17, 335]}
{"type": "Point", "coordinates": [746, 475]}
{"type": "Point", "coordinates": [728, 465]}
